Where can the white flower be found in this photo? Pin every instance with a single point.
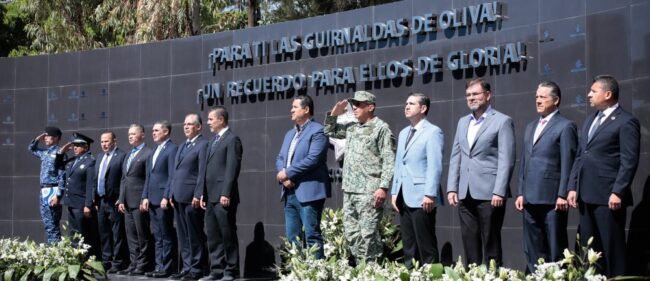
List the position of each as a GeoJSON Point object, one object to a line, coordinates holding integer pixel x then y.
{"type": "Point", "coordinates": [593, 256]}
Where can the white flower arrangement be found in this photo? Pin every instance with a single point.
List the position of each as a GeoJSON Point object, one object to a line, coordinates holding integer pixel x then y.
{"type": "Point", "coordinates": [27, 260]}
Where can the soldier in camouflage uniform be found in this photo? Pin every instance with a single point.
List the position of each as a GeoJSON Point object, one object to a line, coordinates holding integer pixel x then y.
{"type": "Point", "coordinates": [367, 172]}
{"type": "Point", "coordinates": [49, 181]}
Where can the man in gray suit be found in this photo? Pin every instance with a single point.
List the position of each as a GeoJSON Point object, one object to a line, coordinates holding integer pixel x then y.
{"type": "Point", "coordinates": [416, 182]}
{"type": "Point", "coordinates": [134, 174]}
{"type": "Point", "coordinates": [549, 148]}
{"type": "Point", "coordinates": [481, 164]}
{"type": "Point", "coordinates": [221, 196]}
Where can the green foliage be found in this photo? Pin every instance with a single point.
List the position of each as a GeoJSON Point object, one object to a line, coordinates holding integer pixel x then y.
{"type": "Point", "coordinates": [26, 260]}
{"type": "Point", "coordinates": [293, 10]}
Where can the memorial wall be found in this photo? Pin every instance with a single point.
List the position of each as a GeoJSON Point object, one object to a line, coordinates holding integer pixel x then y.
{"type": "Point", "coordinates": [431, 47]}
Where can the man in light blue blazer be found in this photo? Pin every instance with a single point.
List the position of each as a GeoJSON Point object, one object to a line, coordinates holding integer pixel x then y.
{"type": "Point", "coordinates": [302, 174]}
{"type": "Point", "coordinates": [481, 164]}
{"type": "Point", "coordinates": [547, 157]}
{"type": "Point", "coordinates": [416, 182]}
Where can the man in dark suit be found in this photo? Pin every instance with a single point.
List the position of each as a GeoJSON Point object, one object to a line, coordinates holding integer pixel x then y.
{"type": "Point", "coordinates": [302, 173]}
{"type": "Point", "coordinates": [221, 196]}
{"type": "Point", "coordinates": [108, 176]}
{"type": "Point", "coordinates": [481, 164]}
{"type": "Point", "coordinates": [416, 182]}
{"type": "Point", "coordinates": [546, 160]}
{"type": "Point", "coordinates": [78, 195]}
{"type": "Point", "coordinates": [137, 222]}
{"type": "Point", "coordinates": [604, 167]}
{"type": "Point", "coordinates": [185, 193]}
{"type": "Point", "coordinates": [160, 165]}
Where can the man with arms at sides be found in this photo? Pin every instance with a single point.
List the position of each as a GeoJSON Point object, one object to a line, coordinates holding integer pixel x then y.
{"type": "Point", "coordinates": [481, 164]}
{"type": "Point", "coordinates": [78, 193]}
{"type": "Point", "coordinates": [367, 173]}
{"type": "Point", "coordinates": [221, 196]}
{"type": "Point", "coordinates": [155, 198]}
{"type": "Point", "coordinates": [546, 160]}
{"type": "Point", "coordinates": [186, 189]}
{"type": "Point", "coordinates": [108, 177]}
{"type": "Point", "coordinates": [137, 222]}
{"type": "Point", "coordinates": [416, 183]}
{"type": "Point", "coordinates": [302, 172]}
{"type": "Point", "coordinates": [605, 164]}
{"type": "Point", "coordinates": [50, 176]}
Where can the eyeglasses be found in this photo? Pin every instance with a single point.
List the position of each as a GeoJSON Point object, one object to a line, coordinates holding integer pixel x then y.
{"type": "Point", "coordinates": [475, 94]}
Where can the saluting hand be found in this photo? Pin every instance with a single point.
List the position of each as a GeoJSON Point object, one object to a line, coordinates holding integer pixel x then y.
{"type": "Point", "coordinates": [339, 108]}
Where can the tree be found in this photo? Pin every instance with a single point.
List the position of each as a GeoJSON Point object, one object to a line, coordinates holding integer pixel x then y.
{"type": "Point", "coordinates": [285, 10]}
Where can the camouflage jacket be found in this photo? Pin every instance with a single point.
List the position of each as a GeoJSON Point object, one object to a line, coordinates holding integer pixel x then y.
{"type": "Point", "coordinates": [369, 153]}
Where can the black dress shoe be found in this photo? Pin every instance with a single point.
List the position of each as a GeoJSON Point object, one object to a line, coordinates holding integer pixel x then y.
{"type": "Point", "coordinates": [125, 271]}
{"type": "Point", "coordinates": [149, 273]}
{"type": "Point", "coordinates": [192, 276]}
{"type": "Point", "coordinates": [160, 274]}
{"type": "Point", "coordinates": [212, 277]}
{"type": "Point", "coordinates": [113, 270]}
{"type": "Point", "coordinates": [179, 275]}
{"type": "Point", "coordinates": [136, 271]}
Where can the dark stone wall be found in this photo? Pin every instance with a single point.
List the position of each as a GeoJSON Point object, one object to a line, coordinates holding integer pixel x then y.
{"type": "Point", "coordinates": [567, 41]}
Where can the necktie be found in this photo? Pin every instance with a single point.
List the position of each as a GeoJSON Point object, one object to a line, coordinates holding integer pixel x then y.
{"type": "Point", "coordinates": [184, 148]}
{"type": "Point", "coordinates": [292, 146]}
{"type": "Point", "coordinates": [539, 129]}
{"type": "Point", "coordinates": [410, 136]}
{"type": "Point", "coordinates": [101, 183]}
{"type": "Point", "coordinates": [594, 128]}
{"type": "Point", "coordinates": [213, 146]}
{"type": "Point", "coordinates": [131, 156]}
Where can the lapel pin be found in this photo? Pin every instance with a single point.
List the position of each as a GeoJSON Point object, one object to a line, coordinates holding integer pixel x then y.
{"type": "Point", "coordinates": [613, 117]}
{"type": "Point", "coordinates": [82, 166]}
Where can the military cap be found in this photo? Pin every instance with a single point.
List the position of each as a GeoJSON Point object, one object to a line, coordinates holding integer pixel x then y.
{"type": "Point", "coordinates": [52, 131]}
{"type": "Point", "coordinates": [78, 138]}
{"type": "Point", "coordinates": [363, 96]}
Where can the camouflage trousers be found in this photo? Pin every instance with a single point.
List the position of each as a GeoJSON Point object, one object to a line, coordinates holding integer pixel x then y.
{"type": "Point", "coordinates": [361, 225]}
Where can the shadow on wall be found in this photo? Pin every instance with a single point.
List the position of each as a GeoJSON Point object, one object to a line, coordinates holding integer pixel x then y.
{"type": "Point", "coordinates": [638, 245]}
{"type": "Point", "coordinates": [260, 256]}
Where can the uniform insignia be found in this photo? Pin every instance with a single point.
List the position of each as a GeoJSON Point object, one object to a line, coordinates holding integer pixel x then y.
{"type": "Point", "coordinates": [82, 166]}
{"type": "Point", "coordinates": [613, 118]}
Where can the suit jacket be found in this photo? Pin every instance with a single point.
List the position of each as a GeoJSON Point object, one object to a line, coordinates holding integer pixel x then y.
{"type": "Point", "coordinates": [545, 165]}
{"type": "Point", "coordinates": [418, 166]}
{"type": "Point", "coordinates": [133, 179]}
{"type": "Point", "coordinates": [485, 168]}
{"type": "Point", "coordinates": [222, 168]}
{"type": "Point", "coordinates": [187, 180]}
{"type": "Point", "coordinates": [113, 176]}
{"type": "Point", "coordinates": [607, 163]}
{"type": "Point", "coordinates": [157, 182]}
{"type": "Point", "coordinates": [78, 180]}
{"type": "Point", "coordinates": [308, 170]}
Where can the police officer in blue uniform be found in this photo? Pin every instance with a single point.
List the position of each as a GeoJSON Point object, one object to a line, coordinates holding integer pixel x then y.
{"type": "Point", "coordinates": [78, 192]}
{"type": "Point", "coordinates": [49, 181]}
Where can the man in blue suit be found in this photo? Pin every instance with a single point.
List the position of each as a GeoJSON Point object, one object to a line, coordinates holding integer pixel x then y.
{"type": "Point", "coordinates": [302, 173]}
{"type": "Point", "coordinates": [416, 182]}
{"type": "Point", "coordinates": [108, 175]}
{"type": "Point", "coordinates": [161, 165]}
{"type": "Point", "coordinates": [185, 193]}
{"type": "Point", "coordinates": [546, 160]}
{"type": "Point", "coordinates": [605, 164]}
{"type": "Point", "coordinates": [481, 164]}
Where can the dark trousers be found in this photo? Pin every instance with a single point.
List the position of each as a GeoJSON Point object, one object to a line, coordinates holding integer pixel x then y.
{"type": "Point", "coordinates": [418, 234]}
{"type": "Point", "coordinates": [480, 227]}
{"type": "Point", "coordinates": [544, 234]}
{"type": "Point", "coordinates": [608, 229]}
{"type": "Point", "coordinates": [220, 224]}
{"type": "Point", "coordinates": [87, 227]}
{"type": "Point", "coordinates": [165, 239]}
{"type": "Point", "coordinates": [139, 236]}
{"type": "Point", "coordinates": [112, 235]}
{"type": "Point", "coordinates": [191, 238]}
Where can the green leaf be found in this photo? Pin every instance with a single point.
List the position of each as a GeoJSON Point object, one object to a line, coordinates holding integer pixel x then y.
{"type": "Point", "coordinates": [97, 266]}
{"type": "Point", "coordinates": [48, 274]}
{"type": "Point", "coordinates": [63, 276]}
{"type": "Point", "coordinates": [38, 270]}
{"type": "Point", "coordinates": [380, 278]}
{"type": "Point", "coordinates": [26, 275]}
{"type": "Point", "coordinates": [89, 277]}
{"type": "Point", "coordinates": [436, 270]}
{"type": "Point", "coordinates": [451, 273]}
{"type": "Point", "coordinates": [9, 274]}
{"type": "Point", "coordinates": [73, 270]}
{"type": "Point", "coordinates": [404, 276]}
